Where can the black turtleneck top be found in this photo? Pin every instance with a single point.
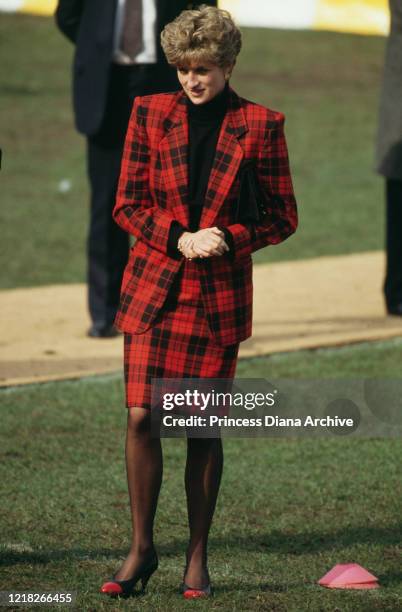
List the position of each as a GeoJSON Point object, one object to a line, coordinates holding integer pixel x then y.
{"type": "Point", "coordinates": [204, 123]}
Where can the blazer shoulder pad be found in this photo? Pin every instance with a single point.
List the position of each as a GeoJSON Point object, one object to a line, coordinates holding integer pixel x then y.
{"type": "Point", "coordinates": [154, 107]}
{"type": "Point", "coordinates": [272, 118]}
{"type": "Point", "coordinates": [160, 101]}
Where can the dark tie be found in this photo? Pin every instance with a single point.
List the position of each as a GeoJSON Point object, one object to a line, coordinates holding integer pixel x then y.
{"type": "Point", "coordinates": [131, 35]}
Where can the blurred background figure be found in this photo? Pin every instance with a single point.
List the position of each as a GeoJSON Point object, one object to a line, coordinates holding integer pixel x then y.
{"type": "Point", "coordinates": [389, 158]}
{"type": "Point", "coordinates": [117, 57]}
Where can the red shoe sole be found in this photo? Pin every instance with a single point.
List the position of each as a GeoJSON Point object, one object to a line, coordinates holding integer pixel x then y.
{"type": "Point", "coordinates": [194, 593]}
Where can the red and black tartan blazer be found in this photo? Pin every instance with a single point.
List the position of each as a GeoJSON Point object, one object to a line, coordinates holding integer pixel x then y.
{"type": "Point", "coordinates": [153, 191]}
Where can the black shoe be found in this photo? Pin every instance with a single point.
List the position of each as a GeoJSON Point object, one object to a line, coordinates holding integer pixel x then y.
{"type": "Point", "coordinates": [190, 592]}
{"type": "Point", "coordinates": [125, 588]}
{"type": "Point", "coordinates": [108, 331]}
{"type": "Point", "coordinates": [395, 309]}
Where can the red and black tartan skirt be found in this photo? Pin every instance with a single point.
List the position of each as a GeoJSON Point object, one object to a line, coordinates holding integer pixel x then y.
{"type": "Point", "coordinates": [178, 345]}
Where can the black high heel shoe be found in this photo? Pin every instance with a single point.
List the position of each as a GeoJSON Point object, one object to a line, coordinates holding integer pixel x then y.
{"type": "Point", "coordinates": [189, 592]}
{"type": "Point", "coordinates": [114, 587]}
{"type": "Point", "coordinates": [192, 593]}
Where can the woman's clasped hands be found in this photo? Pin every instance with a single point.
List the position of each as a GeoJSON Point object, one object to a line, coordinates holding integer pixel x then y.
{"type": "Point", "coordinates": [203, 243]}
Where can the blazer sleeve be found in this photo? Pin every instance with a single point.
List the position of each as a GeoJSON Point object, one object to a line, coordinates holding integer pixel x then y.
{"type": "Point", "coordinates": [68, 16]}
{"type": "Point", "coordinates": [134, 210]}
{"type": "Point", "coordinates": [275, 179]}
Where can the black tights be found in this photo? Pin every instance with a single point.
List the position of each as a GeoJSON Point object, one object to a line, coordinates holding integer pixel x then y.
{"type": "Point", "coordinates": [144, 476]}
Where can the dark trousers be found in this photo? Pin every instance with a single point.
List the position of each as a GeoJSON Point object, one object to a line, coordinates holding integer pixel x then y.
{"type": "Point", "coordinates": [393, 275]}
{"type": "Point", "coordinates": [107, 244]}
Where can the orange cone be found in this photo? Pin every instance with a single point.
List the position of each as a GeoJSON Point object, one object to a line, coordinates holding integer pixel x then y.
{"type": "Point", "coordinates": [349, 576]}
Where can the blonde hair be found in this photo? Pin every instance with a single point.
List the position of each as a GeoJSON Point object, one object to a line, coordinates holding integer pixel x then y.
{"type": "Point", "coordinates": [203, 34]}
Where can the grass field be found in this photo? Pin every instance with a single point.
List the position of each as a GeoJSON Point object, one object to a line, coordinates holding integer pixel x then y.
{"type": "Point", "coordinates": [326, 84]}
{"type": "Point", "coordinates": [289, 509]}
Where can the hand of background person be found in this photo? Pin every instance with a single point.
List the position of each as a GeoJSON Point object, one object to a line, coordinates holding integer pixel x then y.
{"type": "Point", "coordinates": [204, 243]}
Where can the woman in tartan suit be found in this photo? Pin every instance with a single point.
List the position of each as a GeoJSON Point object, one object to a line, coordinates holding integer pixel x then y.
{"type": "Point", "coordinates": [186, 296]}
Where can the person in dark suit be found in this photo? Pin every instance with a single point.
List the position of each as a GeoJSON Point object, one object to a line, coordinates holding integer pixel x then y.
{"type": "Point", "coordinates": [187, 293]}
{"type": "Point", "coordinates": [117, 57]}
{"type": "Point", "coordinates": [389, 159]}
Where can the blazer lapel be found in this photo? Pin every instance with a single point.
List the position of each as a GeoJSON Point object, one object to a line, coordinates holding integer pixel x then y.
{"type": "Point", "coordinates": [173, 149]}
{"type": "Point", "coordinates": [228, 156]}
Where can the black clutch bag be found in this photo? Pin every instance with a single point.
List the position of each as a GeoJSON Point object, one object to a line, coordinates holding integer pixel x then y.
{"type": "Point", "coordinates": [251, 205]}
